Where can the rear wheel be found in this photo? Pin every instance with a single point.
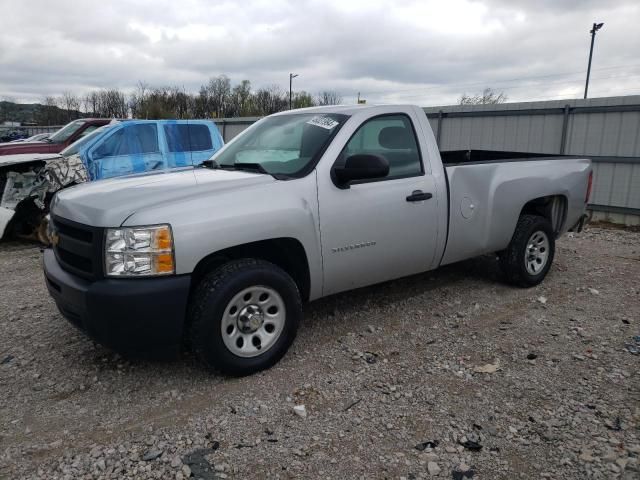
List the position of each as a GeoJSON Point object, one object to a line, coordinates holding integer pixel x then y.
{"type": "Point", "coordinates": [244, 316]}
{"type": "Point", "coordinates": [528, 258]}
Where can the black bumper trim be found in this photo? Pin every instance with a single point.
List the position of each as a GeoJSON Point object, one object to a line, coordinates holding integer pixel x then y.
{"type": "Point", "coordinates": [136, 317]}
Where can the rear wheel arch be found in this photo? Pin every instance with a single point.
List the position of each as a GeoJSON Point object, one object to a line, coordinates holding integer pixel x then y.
{"type": "Point", "coordinates": [551, 207]}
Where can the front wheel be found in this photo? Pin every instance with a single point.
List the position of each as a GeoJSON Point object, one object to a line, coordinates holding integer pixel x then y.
{"type": "Point", "coordinates": [528, 258]}
{"type": "Point", "coordinates": [244, 316]}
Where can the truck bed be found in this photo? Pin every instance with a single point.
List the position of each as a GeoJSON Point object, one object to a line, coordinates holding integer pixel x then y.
{"type": "Point", "coordinates": [458, 157]}
{"type": "Point", "coordinates": [487, 191]}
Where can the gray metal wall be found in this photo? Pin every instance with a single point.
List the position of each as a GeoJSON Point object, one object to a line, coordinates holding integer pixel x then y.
{"type": "Point", "coordinates": [230, 127]}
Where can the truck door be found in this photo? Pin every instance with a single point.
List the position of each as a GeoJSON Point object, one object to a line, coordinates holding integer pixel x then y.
{"type": "Point", "coordinates": [133, 148]}
{"type": "Point", "coordinates": [380, 229]}
{"type": "Point", "coordinates": [190, 142]}
{"type": "Point", "coordinates": [178, 151]}
{"type": "Point", "coordinates": [205, 140]}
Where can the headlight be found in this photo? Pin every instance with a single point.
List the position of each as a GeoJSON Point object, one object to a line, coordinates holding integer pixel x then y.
{"type": "Point", "coordinates": [139, 251]}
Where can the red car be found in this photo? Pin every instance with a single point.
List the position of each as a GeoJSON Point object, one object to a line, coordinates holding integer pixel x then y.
{"type": "Point", "coordinates": [57, 141]}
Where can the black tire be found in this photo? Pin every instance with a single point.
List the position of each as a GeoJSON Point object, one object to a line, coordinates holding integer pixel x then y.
{"type": "Point", "coordinates": [512, 259]}
{"type": "Point", "coordinates": [212, 296]}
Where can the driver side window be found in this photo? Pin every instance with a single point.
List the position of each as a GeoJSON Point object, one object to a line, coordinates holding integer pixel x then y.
{"type": "Point", "coordinates": [391, 137]}
{"type": "Point", "coordinates": [109, 146]}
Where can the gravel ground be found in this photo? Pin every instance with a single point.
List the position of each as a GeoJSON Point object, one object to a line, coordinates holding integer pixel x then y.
{"type": "Point", "coordinates": [449, 374]}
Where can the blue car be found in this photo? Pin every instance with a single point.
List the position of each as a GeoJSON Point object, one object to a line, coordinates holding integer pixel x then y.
{"type": "Point", "coordinates": [29, 181]}
{"type": "Point", "coordinates": [138, 146]}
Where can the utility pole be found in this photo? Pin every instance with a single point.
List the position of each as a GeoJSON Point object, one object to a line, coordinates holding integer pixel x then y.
{"type": "Point", "coordinates": [291, 77]}
{"type": "Point", "coordinates": [594, 29]}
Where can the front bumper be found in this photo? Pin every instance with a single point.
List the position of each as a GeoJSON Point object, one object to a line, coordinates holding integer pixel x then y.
{"type": "Point", "coordinates": [136, 317]}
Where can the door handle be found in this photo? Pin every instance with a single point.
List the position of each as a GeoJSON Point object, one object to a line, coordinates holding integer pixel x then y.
{"type": "Point", "coordinates": [418, 196]}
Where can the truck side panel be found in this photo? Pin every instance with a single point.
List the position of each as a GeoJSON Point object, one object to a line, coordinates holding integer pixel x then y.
{"type": "Point", "coordinates": [486, 200]}
{"type": "Point", "coordinates": [281, 210]}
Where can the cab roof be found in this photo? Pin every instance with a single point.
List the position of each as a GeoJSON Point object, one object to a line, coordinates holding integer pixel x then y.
{"type": "Point", "coordinates": [344, 109]}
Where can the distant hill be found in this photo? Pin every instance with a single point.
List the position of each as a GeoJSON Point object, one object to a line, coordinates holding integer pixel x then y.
{"type": "Point", "coordinates": [36, 113]}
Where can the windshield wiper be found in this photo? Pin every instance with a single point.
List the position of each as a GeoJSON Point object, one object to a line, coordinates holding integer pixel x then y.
{"type": "Point", "coordinates": [235, 166]}
{"type": "Point", "coordinates": [248, 166]}
{"type": "Point", "coordinates": [210, 164]}
{"type": "Point", "coordinates": [244, 166]}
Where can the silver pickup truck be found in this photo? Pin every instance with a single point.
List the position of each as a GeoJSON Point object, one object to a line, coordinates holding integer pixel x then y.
{"type": "Point", "coordinates": [301, 205]}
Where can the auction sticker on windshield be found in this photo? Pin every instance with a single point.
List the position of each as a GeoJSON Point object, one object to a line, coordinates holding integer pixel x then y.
{"type": "Point", "coordinates": [323, 122]}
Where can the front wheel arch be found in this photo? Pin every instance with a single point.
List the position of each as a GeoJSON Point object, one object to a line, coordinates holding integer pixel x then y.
{"type": "Point", "coordinates": [285, 252]}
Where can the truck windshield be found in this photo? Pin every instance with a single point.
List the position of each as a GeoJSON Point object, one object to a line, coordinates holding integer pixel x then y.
{"type": "Point", "coordinates": [65, 132]}
{"type": "Point", "coordinates": [80, 143]}
{"type": "Point", "coordinates": [283, 144]}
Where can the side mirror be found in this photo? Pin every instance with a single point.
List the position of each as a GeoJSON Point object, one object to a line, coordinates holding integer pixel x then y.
{"type": "Point", "coordinates": [361, 167]}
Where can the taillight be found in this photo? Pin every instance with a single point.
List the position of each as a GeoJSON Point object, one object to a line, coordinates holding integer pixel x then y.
{"type": "Point", "coordinates": [589, 184]}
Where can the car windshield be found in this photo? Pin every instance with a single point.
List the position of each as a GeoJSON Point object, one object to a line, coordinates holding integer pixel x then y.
{"type": "Point", "coordinates": [37, 137]}
{"type": "Point", "coordinates": [81, 142]}
{"type": "Point", "coordinates": [65, 132]}
{"type": "Point", "coordinates": [281, 145]}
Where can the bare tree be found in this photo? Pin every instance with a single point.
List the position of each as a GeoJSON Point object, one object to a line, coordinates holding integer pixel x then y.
{"type": "Point", "coordinates": [303, 99]}
{"type": "Point", "coordinates": [111, 104]}
{"type": "Point", "coordinates": [86, 103]}
{"type": "Point", "coordinates": [138, 100]}
{"type": "Point", "coordinates": [92, 103]}
{"type": "Point", "coordinates": [329, 97]}
{"type": "Point", "coordinates": [219, 93]}
{"type": "Point", "coordinates": [50, 112]}
{"type": "Point", "coordinates": [487, 97]}
{"type": "Point", "coordinates": [270, 100]}
{"type": "Point", "coordinates": [71, 103]}
{"type": "Point", "coordinates": [201, 103]}
{"type": "Point", "coordinates": [240, 101]}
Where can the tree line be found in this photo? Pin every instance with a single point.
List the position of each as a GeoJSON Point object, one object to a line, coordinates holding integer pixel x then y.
{"type": "Point", "coordinates": [218, 98]}
{"type": "Point", "coordinates": [487, 97]}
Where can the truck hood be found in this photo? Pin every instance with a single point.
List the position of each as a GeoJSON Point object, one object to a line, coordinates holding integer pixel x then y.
{"type": "Point", "coordinates": [108, 203]}
{"type": "Point", "coordinates": [6, 160]}
{"type": "Point", "coordinates": [18, 147]}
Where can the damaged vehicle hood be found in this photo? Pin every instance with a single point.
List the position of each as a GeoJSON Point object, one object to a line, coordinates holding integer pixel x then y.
{"type": "Point", "coordinates": [26, 147]}
{"type": "Point", "coordinates": [108, 203]}
{"type": "Point", "coordinates": [15, 159]}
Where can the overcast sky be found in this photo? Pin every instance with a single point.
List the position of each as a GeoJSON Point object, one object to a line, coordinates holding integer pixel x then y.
{"type": "Point", "coordinates": [425, 52]}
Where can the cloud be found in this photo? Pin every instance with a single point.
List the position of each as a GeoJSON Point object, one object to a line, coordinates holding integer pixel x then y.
{"type": "Point", "coordinates": [426, 52]}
